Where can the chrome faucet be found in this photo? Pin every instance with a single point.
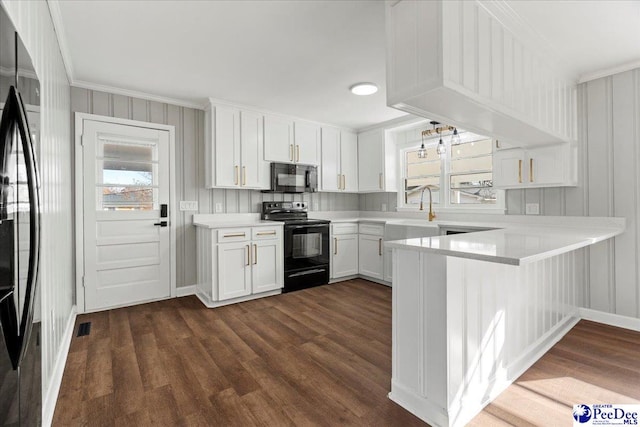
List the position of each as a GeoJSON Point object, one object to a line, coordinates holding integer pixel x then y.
{"type": "Point", "coordinates": [432, 214]}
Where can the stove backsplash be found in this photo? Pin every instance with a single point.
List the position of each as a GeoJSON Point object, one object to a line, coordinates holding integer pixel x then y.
{"type": "Point", "coordinates": [250, 201]}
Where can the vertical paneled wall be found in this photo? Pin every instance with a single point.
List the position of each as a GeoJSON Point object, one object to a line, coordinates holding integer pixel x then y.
{"type": "Point", "coordinates": [379, 201]}
{"type": "Point", "coordinates": [33, 22]}
{"type": "Point", "coordinates": [190, 173]}
{"type": "Point", "coordinates": [609, 185]}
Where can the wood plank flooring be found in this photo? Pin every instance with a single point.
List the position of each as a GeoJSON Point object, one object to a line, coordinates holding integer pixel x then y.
{"type": "Point", "coordinates": [321, 357]}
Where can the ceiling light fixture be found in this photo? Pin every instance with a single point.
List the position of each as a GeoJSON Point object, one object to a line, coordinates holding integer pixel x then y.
{"type": "Point", "coordinates": [455, 138]}
{"type": "Point", "coordinates": [441, 148]}
{"type": "Point", "coordinates": [364, 88]}
{"type": "Point", "coordinates": [422, 152]}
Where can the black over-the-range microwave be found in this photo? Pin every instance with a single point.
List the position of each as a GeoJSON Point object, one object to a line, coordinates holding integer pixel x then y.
{"type": "Point", "coordinates": [293, 178]}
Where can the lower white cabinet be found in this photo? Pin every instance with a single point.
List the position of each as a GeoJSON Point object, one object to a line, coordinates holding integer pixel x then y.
{"type": "Point", "coordinates": [388, 265]}
{"type": "Point", "coordinates": [235, 264]}
{"type": "Point", "coordinates": [370, 250]}
{"type": "Point", "coordinates": [344, 250]}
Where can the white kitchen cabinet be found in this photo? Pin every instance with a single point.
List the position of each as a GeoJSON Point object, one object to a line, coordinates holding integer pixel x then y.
{"type": "Point", "coordinates": [267, 267]}
{"type": "Point", "coordinates": [234, 270]}
{"type": "Point", "coordinates": [370, 256]}
{"type": "Point", "coordinates": [388, 264]}
{"type": "Point", "coordinates": [376, 161]}
{"type": "Point", "coordinates": [234, 149]}
{"type": "Point", "coordinates": [278, 139]}
{"type": "Point", "coordinates": [344, 253]}
{"type": "Point", "coordinates": [472, 64]}
{"type": "Point", "coordinates": [370, 250]}
{"type": "Point", "coordinates": [339, 170]}
{"type": "Point", "coordinates": [548, 166]}
{"type": "Point", "coordinates": [307, 143]}
{"type": "Point", "coordinates": [238, 264]}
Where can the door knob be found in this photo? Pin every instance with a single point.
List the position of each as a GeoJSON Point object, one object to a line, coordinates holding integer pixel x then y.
{"type": "Point", "coordinates": [161, 224]}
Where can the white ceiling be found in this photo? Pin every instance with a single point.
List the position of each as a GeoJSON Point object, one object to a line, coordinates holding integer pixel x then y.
{"type": "Point", "coordinates": [296, 57]}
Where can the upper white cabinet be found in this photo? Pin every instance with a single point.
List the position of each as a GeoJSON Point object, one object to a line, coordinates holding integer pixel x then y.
{"type": "Point", "coordinates": [234, 149]}
{"type": "Point", "coordinates": [289, 141]}
{"type": "Point", "coordinates": [549, 166]}
{"type": "Point", "coordinates": [469, 64]}
{"type": "Point", "coordinates": [278, 139]}
{"type": "Point", "coordinates": [376, 161]}
{"type": "Point", "coordinates": [339, 171]}
{"type": "Point", "coordinates": [307, 143]}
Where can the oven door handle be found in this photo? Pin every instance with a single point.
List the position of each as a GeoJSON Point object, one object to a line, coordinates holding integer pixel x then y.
{"type": "Point", "coordinates": [307, 226]}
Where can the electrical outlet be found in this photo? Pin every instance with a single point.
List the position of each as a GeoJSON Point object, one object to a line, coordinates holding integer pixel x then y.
{"type": "Point", "coordinates": [384, 207]}
{"type": "Point", "coordinates": [532, 209]}
{"type": "Point", "coordinates": [218, 207]}
{"type": "Point", "coordinates": [188, 205]}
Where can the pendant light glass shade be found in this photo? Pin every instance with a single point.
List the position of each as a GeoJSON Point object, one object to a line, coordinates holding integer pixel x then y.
{"type": "Point", "coordinates": [422, 152]}
{"type": "Point", "coordinates": [455, 138]}
{"type": "Point", "coordinates": [441, 148]}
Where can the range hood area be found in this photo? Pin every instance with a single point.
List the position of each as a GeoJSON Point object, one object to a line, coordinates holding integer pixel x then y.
{"type": "Point", "coordinates": [490, 74]}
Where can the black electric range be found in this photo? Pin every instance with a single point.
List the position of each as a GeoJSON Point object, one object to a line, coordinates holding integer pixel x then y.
{"type": "Point", "coordinates": [306, 244]}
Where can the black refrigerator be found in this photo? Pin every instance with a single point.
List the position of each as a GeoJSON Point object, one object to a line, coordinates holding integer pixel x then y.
{"type": "Point", "coordinates": [20, 354]}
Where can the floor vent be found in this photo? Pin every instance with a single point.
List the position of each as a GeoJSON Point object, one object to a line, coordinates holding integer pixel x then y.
{"type": "Point", "coordinates": [84, 329]}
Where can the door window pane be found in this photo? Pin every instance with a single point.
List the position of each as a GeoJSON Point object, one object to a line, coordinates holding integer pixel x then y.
{"type": "Point", "coordinates": [307, 245]}
{"type": "Point", "coordinates": [127, 175]}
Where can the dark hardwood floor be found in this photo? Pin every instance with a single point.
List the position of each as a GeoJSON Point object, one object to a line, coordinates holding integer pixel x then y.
{"type": "Point", "coordinates": [321, 356]}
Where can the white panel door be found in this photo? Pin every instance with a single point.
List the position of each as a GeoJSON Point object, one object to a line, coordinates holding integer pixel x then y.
{"type": "Point", "coordinates": [349, 161]}
{"type": "Point", "coordinates": [307, 140]}
{"type": "Point", "coordinates": [344, 258]}
{"type": "Point", "coordinates": [370, 261]}
{"type": "Point", "coordinates": [267, 269]}
{"type": "Point", "coordinates": [126, 244]}
{"type": "Point", "coordinates": [508, 168]}
{"type": "Point", "coordinates": [255, 171]}
{"type": "Point", "coordinates": [226, 136]}
{"type": "Point", "coordinates": [278, 139]}
{"type": "Point", "coordinates": [331, 179]}
{"type": "Point", "coordinates": [546, 165]}
{"type": "Point", "coordinates": [370, 160]}
{"type": "Point", "coordinates": [234, 270]}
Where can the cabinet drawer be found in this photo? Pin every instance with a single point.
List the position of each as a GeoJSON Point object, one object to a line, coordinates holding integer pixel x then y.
{"type": "Point", "coordinates": [345, 228]}
{"type": "Point", "coordinates": [264, 233]}
{"type": "Point", "coordinates": [233, 235]}
{"type": "Point", "coordinates": [372, 229]}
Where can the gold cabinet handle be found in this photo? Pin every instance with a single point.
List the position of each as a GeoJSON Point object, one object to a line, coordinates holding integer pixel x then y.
{"type": "Point", "coordinates": [531, 170]}
{"type": "Point", "coordinates": [234, 235]}
{"type": "Point", "coordinates": [335, 246]}
{"type": "Point", "coordinates": [291, 152]}
{"type": "Point", "coordinates": [297, 153]}
{"type": "Point", "coordinates": [497, 144]}
{"type": "Point", "coordinates": [266, 233]}
{"type": "Point", "coordinates": [339, 182]}
{"type": "Point", "coordinates": [235, 176]}
{"type": "Point", "coordinates": [520, 171]}
{"type": "Point", "coordinates": [380, 247]}
{"type": "Point", "coordinates": [244, 175]}
{"type": "Point", "coordinates": [255, 254]}
{"type": "Point", "coordinates": [380, 180]}
{"type": "Point", "coordinates": [248, 255]}
{"type": "Point", "coordinates": [344, 182]}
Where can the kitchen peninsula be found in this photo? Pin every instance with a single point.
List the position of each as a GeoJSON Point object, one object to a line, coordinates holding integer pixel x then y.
{"type": "Point", "coordinates": [471, 312]}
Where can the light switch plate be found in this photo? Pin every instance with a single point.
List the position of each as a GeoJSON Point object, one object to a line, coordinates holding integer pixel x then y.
{"type": "Point", "coordinates": [532, 209]}
{"type": "Point", "coordinates": [218, 207]}
{"type": "Point", "coordinates": [188, 205]}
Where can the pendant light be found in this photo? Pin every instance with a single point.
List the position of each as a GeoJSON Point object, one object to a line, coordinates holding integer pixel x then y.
{"type": "Point", "coordinates": [441, 148]}
{"type": "Point", "coordinates": [422, 152]}
{"type": "Point", "coordinates": [455, 138]}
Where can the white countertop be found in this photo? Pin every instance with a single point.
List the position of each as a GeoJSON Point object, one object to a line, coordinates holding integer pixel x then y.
{"type": "Point", "coordinates": [231, 221]}
{"type": "Point", "coordinates": [513, 244]}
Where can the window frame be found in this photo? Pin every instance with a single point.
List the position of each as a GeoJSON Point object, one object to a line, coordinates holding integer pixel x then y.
{"type": "Point", "coordinates": [444, 204]}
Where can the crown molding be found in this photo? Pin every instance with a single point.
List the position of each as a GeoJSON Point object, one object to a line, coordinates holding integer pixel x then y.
{"type": "Point", "coordinates": [609, 71]}
{"type": "Point", "coordinates": [58, 27]}
{"type": "Point", "coordinates": [137, 94]}
{"type": "Point", "coordinates": [4, 71]}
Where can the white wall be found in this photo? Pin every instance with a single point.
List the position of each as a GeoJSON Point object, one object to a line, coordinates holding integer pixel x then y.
{"type": "Point", "coordinates": [609, 138]}
{"type": "Point", "coordinates": [33, 22]}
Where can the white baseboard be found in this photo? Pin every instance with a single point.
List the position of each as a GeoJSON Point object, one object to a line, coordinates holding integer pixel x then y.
{"type": "Point", "coordinates": [50, 397]}
{"type": "Point", "coordinates": [204, 299]}
{"type": "Point", "coordinates": [185, 291]}
{"type": "Point", "coordinates": [610, 319]}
